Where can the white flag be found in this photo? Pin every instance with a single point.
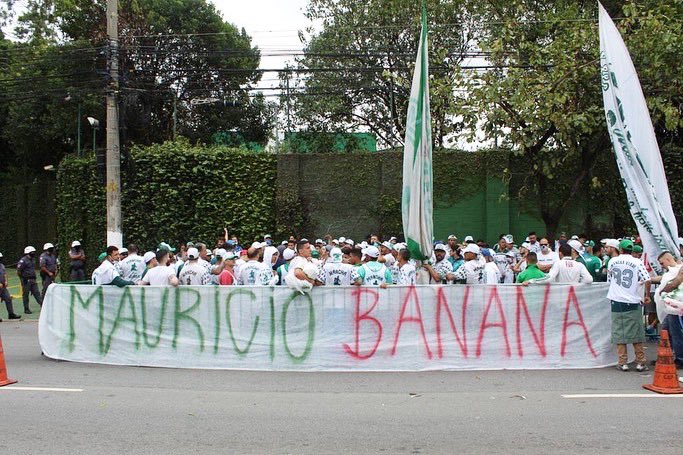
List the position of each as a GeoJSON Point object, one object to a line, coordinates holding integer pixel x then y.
{"type": "Point", "coordinates": [635, 146]}
{"type": "Point", "coordinates": [417, 159]}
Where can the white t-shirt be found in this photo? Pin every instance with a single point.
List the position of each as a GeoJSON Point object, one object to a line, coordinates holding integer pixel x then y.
{"type": "Point", "coordinates": [132, 268]}
{"type": "Point", "coordinates": [535, 247]}
{"type": "Point", "coordinates": [159, 276]}
{"type": "Point", "coordinates": [472, 272]}
{"type": "Point", "coordinates": [105, 273]}
{"type": "Point", "coordinates": [625, 275]}
{"type": "Point", "coordinates": [547, 259]}
{"type": "Point", "coordinates": [407, 275]}
{"type": "Point", "coordinates": [337, 274]}
{"type": "Point", "coordinates": [193, 274]}
{"type": "Point", "coordinates": [568, 270]}
{"type": "Point", "coordinates": [443, 268]}
{"type": "Point", "coordinates": [492, 273]}
{"type": "Point", "coordinates": [254, 273]}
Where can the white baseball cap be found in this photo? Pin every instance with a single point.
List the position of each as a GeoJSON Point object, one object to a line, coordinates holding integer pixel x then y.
{"type": "Point", "coordinates": [257, 245]}
{"type": "Point", "coordinates": [123, 250]}
{"type": "Point", "coordinates": [348, 242]}
{"type": "Point", "coordinates": [1, 255]}
{"type": "Point", "coordinates": [614, 243]}
{"type": "Point", "coordinates": [209, 252]}
{"type": "Point", "coordinates": [471, 248]}
{"type": "Point", "coordinates": [452, 237]}
{"type": "Point", "coordinates": [221, 252]}
{"type": "Point", "coordinates": [229, 255]}
{"type": "Point", "coordinates": [148, 256]}
{"type": "Point", "coordinates": [267, 236]}
{"type": "Point", "coordinates": [75, 243]}
{"type": "Point", "coordinates": [400, 246]}
{"type": "Point", "coordinates": [576, 245]}
{"type": "Point", "coordinates": [192, 253]}
{"type": "Point", "coordinates": [342, 239]}
{"type": "Point", "coordinates": [47, 246]}
{"type": "Point", "coordinates": [29, 249]}
{"type": "Point", "coordinates": [371, 251]}
{"type": "Point", "coordinates": [526, 245]}
{"type": "Point", "coordinates": [575, 237]}
{"type": "Point", "coordinates": [388, 245]}
{"type": "Point", "coordinates": [469, 238]}
{"type": "Point", "coordinates": [288, 254]}
{"type": "Point", "coordinates": [440, 247]}
{"type": "Point", "coordinates": [509, 239]}
{"type": "Point", "coordinates": [393, 240]}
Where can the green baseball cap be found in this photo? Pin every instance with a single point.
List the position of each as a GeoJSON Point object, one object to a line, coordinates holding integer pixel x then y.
{"type": "Point", "coordinates": [315, 253]}
{"type": "Point", "coordinates": [101, 257]}
{"type": "Point", "coordinates": [626, 245]}
{"type": "Point", "coordinates": [590, 243]}
{"type": "Point", "coordinates": [167, 247]}
{"type": "Point", "coordinates": [637, 249]}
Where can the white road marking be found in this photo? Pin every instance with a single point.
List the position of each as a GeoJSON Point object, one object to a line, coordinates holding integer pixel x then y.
{"type": "Point", "coordinates": [622, 395]}
{"type": "Point", "coordinates": [40, 389]}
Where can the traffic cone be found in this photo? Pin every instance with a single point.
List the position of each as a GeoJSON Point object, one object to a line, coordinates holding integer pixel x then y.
{"type": "Point", "coordinates": [4, 380]}
{"type": "Point", "coordinates": [666, 378]}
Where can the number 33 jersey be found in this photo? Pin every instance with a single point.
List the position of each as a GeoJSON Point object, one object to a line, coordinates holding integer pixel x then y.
{"type": "Point", "coordinates": [625, 275]}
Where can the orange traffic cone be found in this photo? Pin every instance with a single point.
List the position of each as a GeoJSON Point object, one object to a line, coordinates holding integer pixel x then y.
{"type": "Point", "coordinates": [666, 378]}
{"type": "Point", "coordinates": [4, 380]}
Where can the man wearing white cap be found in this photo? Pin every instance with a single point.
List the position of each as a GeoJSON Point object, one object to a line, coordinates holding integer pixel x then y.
{"type": "Point", "coordinates": [385, 256]}
{"type": "Point", "coordinates": [372, 273]}
{"type": "Point", "coordinates": [48, 267]}
{"type": "Point", "coordinates": [227, 276]}
{"type": "Point", "coordinates": [162, 274]}
{"type": "Point", "coordinates": [336, 272]}
{"type": "Point", "coordinates": [472, 271]}
{"type": "Point", "coordinates": [193, 273]}
{"type": "Point", "coordinates": [300, 275]}
{"type": "Point", "coordinates": [106, 273]}
{"type": "Point", "coordinates": [133, 265]}
{"type": "Point", "coordinates": [26, 269]}
{"type": "Point", "coordinates": [282, 271]}
{"type": "Point", "coordinates": [76, 262]}
{"type": "Point", "coordinates": [567, 269]}
{"type": "Point", "coordinates": [407, 274]}
{"type": "Point", "coordinates": [150, 259]}
{"type": "Point", "coordinates": [442, 270]}
{"type": "Point", "coordinates": [611, 251]}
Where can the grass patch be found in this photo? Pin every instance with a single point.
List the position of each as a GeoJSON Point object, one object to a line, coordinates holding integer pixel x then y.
{"type": "Point", "coordinates": [14, 286]}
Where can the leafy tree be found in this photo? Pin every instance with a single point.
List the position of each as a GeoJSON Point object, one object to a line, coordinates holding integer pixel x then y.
{"type": "Point", "coordinates": [356, 72]}
{"type": "Point", "coordinates": [543, 98]}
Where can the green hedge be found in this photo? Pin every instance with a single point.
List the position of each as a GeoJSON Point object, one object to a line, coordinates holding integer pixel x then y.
{"type": "Point", "coordinates": [173, 192]}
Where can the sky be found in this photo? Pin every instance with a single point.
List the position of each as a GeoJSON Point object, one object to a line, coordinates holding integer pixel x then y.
{"type": "Point", "coordinates": [273, 26]}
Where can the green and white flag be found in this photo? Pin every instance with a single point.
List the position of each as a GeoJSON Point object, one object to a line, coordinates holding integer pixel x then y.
{"type": "Point", "coordinates": [417, 159]}
{"type": "Point", "coordinates": [635, 145]}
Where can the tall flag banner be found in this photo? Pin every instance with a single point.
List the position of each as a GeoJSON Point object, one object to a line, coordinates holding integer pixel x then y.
{"type": "Point", "coordinates": [635, 146]}
{"type": "Point", "coordinates": [417, 210]}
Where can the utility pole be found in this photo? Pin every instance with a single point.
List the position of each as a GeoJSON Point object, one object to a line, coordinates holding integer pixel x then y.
{"type": "Point", "coordinates": [113, 162]}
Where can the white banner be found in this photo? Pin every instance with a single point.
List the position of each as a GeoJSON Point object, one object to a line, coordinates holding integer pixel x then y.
{"type": "Point", "coordinates": [332, 329]}
{"type": "Point", "coordinates": [635, 146]}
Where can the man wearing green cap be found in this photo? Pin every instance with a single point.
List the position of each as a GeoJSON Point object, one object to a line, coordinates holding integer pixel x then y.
{"type": "Point", "coordinates": [592, 263]}
{"type": "Point", "coordinates": [627, 277]}
{"type": "Point", "coordinates": [106, 273]}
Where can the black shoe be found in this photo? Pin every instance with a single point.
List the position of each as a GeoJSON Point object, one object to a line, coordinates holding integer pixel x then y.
{"type": "Point", "coordinates": [14, 316]}
{"type": "Point", "coordinates": [27, 311]}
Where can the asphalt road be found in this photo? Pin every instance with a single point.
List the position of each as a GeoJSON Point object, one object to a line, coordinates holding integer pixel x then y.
{"type": "Point", "coordinates": [132, 410]}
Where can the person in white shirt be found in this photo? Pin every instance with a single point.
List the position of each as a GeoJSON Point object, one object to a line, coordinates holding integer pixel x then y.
{"type": "Point", "coordinates": [629, 287]}
{"type": "Point", "coordinates": [567, 270]}
{"type": "Point", "coordinates": [337, 273]}
{"type": "Point", "coordinates": [106, 273]}
{"type": "Point", "coordinates": [533, 243]}
{"type": "Point", "coordinates": [193, 273]}
{"type": "Point", "coordinates": [253, 272]}
{"type": "Point", "coordinates": [472, 271]}
{"type": "Point", "coordinates": [407, 274]}
{"type": "Point", "coordinates": [386, 257]}
{"type": "Point", "coordinates": [297, 277]}
{"type": "Point", "coordinates": [547, 257]}
{"type": "Point", "coordinates": [133, 266]}
{"type": "Point", "coordinates": [161, 275]}
{"type": "Point", "coordinates": [492, 273]}
{"type": "Point", "coordinates": [442, 270]}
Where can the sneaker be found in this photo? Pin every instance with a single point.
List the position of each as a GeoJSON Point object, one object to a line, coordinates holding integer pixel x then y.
{"type": "Point", "coordinates": [641, 367]}
{"type": "Point", "coordinates": [622, 367]}
{"type": "Point", "coordinates": [28, 312]}
{"type": "Point", "coordinates": [14, 316]}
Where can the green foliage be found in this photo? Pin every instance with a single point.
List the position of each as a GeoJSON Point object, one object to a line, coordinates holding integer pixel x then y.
{"type": "Point", "coordinates": [372, 47]}
{"type": "Point", "coordinates": [172, 192]}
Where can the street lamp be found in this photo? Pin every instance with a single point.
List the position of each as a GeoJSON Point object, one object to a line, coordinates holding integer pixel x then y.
{"type": "Point", "coordinates": [95, 125]}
